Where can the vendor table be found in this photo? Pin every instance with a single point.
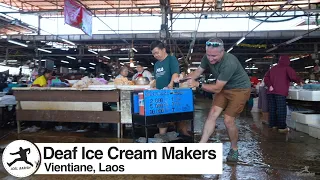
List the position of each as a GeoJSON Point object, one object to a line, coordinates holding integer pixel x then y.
{"type": "Point", "coordinates": [69, 96]}
{"type": "Point", "coordinates": [162, 106]}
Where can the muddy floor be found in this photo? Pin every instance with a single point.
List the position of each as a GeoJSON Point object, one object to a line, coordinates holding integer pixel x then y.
{"type": "Point", "coordinates": [264, 153]}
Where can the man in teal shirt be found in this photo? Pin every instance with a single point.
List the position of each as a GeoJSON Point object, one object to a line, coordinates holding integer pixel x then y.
{"type": "Point", "coordinates": [232, 91]}
{"type": "Point", "coordinates": [166, 70]}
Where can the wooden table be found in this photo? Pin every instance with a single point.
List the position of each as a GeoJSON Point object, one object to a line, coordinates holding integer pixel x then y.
{"type": "Point", "coordinates": [67, 95]}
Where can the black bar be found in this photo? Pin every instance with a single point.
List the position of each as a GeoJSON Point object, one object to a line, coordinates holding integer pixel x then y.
{"type": "Point", "coordinates": [166, 118]}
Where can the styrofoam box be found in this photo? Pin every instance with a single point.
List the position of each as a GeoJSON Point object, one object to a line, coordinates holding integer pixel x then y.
{"type": "Point", "coordinates": [306, 95]}
{"type": "Point", "coordinates": [295, 115]}
{"type": "Point", "coordinates": [302, 127]}
{"type": "Point", "coordinates": [314, 131]}
{"type": "Point", "coordinates": [293, 94]}
{"type": "Point", "coordinates": [311, 118]}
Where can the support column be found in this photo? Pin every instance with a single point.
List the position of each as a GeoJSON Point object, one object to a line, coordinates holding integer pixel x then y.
{"type": "Point", "coordinates": [39, 25]}
{"type": "Point", "coordinates": [7, 55]}
{"type": "Point", "coordinates": [164, 31]}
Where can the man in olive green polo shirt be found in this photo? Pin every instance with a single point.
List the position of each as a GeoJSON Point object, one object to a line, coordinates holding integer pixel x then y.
{"type": "Point", "coordinates": [166, 70]}
{"type": "Point", "coordinates": [232, 91]}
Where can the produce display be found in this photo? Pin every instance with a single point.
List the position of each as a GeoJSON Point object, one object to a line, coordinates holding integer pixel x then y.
{"type": "Point", "coordinates": [123, 81]}
{"type": "Point", "coordinates": [86, 82]}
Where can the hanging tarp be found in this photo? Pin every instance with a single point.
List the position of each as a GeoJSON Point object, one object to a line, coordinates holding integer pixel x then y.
{"type": "Point", "coordinates": [77, 16]}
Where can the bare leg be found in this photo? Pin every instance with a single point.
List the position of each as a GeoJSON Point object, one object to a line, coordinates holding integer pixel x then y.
{"type": "Point", "coordinates": [183, 128]}
{"type": "Point", "coordinates": [232, 130]}
{"type": "Point", "coordinates": [210, 124]}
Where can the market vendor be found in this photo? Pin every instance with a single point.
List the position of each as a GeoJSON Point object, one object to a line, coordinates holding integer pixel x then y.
{"type": "Point", "coordinates": [142, 73]}
{"type": "Point", "coordinates": [42, 81]}
{"type": "Point", "coordinates": [123, 73]}
{"type": "Point", "coordinates": [166, 70]}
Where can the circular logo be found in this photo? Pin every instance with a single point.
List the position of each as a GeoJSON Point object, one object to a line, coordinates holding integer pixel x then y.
{"type": "Point", "coordinates": [21, 158]}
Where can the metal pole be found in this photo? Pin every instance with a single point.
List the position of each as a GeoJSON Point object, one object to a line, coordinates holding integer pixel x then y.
{"type": "Point", "coordinates": [39, 25]}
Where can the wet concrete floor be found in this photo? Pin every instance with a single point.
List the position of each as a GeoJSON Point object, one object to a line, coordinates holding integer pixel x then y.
{"type": "Point", "coordinates": [264, 153]}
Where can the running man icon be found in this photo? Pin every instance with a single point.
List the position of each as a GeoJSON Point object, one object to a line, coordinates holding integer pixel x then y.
{"type": "Point", "coordinates": [23, 156]}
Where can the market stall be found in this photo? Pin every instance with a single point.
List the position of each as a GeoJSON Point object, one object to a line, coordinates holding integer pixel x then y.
{"type": "Point", "coordinates": [66, 105]}
{"type": "Point", "coordinates": [75, 105]}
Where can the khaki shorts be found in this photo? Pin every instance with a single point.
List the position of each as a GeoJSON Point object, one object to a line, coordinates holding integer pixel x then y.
{"type": "Point", "coordinates": [232, 101]}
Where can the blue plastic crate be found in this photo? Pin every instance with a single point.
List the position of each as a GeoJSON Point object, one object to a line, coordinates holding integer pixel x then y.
{"type": "Point", "coordinates": [159, 102]}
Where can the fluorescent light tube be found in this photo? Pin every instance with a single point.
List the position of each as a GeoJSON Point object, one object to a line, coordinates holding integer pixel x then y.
{"type": "Point", "coordinates": [68, 42]}
{"type": "Point", "coordinates": [308, 67]}
{"type": "Point", "coordinates": [64, 61]}
{"type": "Point", "coordinates": [17, 43]}
{"type": "Point", "coordinates": [123, 59]}
{"type": "Point", "coordinates": [248, 60]}
{"type": "Point", "coordinates": [240, 40]}
{"type": "Point", "coordinates": [100, 49]}
{"type": "Point", "coordinates": [93, 52]}
{"type": "Point", "coordinates": [294, 59]}
{"type": "Point", "coordinates": [43, 50]}
{"type": "Point", "coordinates": [70, 57]}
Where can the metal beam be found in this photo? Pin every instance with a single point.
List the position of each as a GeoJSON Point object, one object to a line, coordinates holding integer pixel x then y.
{"type": "Point", "coordinates": [193, 8]}
{"type": "Point", "coordinates": [175, 35]}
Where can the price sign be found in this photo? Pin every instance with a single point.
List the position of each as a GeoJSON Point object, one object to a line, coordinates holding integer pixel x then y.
{"type": "Point", "coordinates": [158, 102]}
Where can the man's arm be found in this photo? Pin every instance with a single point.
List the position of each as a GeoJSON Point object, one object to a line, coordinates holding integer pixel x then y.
{"type": "Point", "coordinates": [174, 69]}
{"type": "Point", "coordinates": [173, 78]}
{"type": "Point", "coordinates": [213, 88]}
{"type": "Point", "coordinates": [227, 72]}
{"type": "Point", "coordinates": [201, 68]}
{"type": "Point", "coordinates": [293, 75]}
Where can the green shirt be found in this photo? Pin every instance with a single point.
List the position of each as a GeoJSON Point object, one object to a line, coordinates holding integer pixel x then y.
{"type": "Point", "coordinates": [163, 71]}
{"type": "Point", "coordinates": [230, 70]}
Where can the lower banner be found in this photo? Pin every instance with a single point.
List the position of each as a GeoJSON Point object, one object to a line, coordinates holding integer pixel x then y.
{"type": "Point", "coordinates": [22, 158]}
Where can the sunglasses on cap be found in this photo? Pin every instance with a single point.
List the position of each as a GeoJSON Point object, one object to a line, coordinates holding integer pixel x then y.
{"type": "Point", "coordinates": [214, 44]}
